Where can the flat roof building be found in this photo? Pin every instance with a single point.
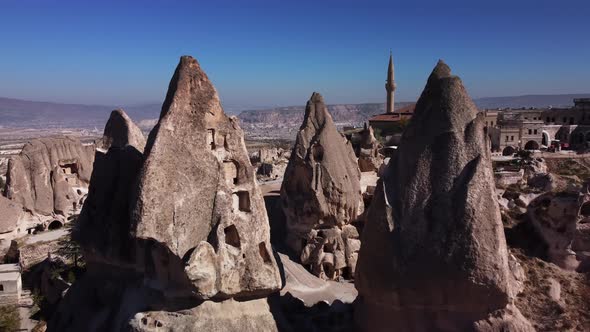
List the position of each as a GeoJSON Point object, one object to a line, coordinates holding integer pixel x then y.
{"type": "Point", "coordinates": [10, 284]}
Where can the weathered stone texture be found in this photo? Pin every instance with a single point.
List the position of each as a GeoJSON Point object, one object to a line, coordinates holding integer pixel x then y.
{"type": "Point", "coordinates": [35, 178]}
{"type": "Point", "coordinates": [321, 192]}
{"type": "Point", "coordinates": [198, 196]}
{"type": "Point", "coordinates": [561, 219]}
{"type": "Point", "coordinates": [120, 131]}
{"type": "Point", "coordinates": [228, 315]}
{"type": "Point", "coordinates": [10, 215]}
{"type": "Point", "coordinates": [433, 253]}
{"type": "Point", "coordinates": [167, 231]}
{"type": "Point", "coordinates": [369, 158]}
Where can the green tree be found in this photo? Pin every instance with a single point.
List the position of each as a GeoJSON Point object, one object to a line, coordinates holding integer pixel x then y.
{"type": "Point", "coordinates": [9, 318]}
{"type": "Point", "coordinates": [525, 154]}
{"type": "Point", "coordinates": [401, 125]}
{"type": "Point", "coordinates": [68, 247]}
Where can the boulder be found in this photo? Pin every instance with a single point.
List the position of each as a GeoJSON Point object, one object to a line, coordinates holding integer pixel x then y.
{"type": "Point", "coordinates": [561, 219]}
{"type": "Point", "coordinates": [433, 254]}
{"type": "Point", "coordinates": [320, 192]}
{"type": "Point", "coordinates": [542, 181]}
{"type": "Point", "coordinates": [35, 178]}
{"type": "Point", "coordinates": [198, 196]}
{"type": "Point", "coordinates": [369, 158]}
{"type": "Point", "coordinates": [228, 315]}
{"type": "Point", "coordinates": [534, 167]}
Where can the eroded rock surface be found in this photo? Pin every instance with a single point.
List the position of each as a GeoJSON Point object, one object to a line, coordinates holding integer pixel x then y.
{"type": "Point", "coordinates": [181, 236]}
{"type": "Point", "coordinates": [321, 195]}
{"type": "Point", "coordinates": [11, 214]}
{"type": "Point", "coordinates": [50, 175]}
{"type": "Point", "coordinates": [434, 256]}
{"type": "Point", "coordinates": [562, 219]}
{"type": "Point", "coordinates": [198, 196]}
{"type": "Point", "coordinates": [369, 158]}
{"type": "Point", "coordinates": [230, 315]}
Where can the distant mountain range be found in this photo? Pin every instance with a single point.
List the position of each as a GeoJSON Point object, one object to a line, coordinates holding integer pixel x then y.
{"type": "Point", "coordinates": [536, 101]}
{"type": "Point", "coordinates": [283, 122]}
{"type": "Point", "coordinates": [22, 113]}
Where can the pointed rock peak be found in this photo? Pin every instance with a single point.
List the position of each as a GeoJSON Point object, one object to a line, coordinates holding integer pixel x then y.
{"type": "Point", "coordinates": [316, 112]}
{"type": "Point", "coordinates": [119, 112]}
{"type": "Point", "coordinates": [316, 97]}
{"type": "Point", "coordinates": [191, 91]}
{"type": "Point", "coordinates": [441, 70]}
{"type": "Point", "coordinates": [443, 106]}
{"type": "Point", "coordinates": [188, 63]}
{"type": "Point", "coordinates": [119, 116]}
{"type": "Point", "coordinates": [197, 179]}
{"type": "Point", "coordinates": [316, 210]}
{"type": "Point", "coordinates": [443, 65]}
{"type": "Point", "coordinates": [121, 131]}
{"type": "Point", "coordinates": [188, 59]}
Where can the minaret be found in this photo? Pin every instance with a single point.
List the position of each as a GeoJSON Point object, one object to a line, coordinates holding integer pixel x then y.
{"type": "Point", "coordinates": [390, 86]}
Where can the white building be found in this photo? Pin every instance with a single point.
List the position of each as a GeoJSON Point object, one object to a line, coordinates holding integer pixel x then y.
{"type": "Point", "coordinates": [10, 284]}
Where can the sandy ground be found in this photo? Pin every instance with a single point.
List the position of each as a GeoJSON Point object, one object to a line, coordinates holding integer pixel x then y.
{"type": "Point", "coordinates": [46, 236]}
{"type": "Point", "coordinates": [270, 186]}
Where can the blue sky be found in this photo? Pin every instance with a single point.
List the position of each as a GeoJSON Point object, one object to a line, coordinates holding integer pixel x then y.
{"type": "Point", "coordinates": [270, 53]}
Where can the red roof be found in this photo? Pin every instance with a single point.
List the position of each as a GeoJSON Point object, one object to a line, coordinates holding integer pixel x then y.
{"type": "Point", "coordinates": [404, 113]}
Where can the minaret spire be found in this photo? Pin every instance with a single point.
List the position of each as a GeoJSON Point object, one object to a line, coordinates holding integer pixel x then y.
{"type": "Point", "coordinates": [390, 86]}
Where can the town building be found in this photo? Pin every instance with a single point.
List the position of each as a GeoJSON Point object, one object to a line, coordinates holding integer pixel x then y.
{"type": "Point", "coordinates": [392, 121]}
{"type": "Point", "coordinates": [534, 129]}
{"type": "Point", "coordinates": [10, 284]}
{"type": "Point", "coordinates": [510, 130]}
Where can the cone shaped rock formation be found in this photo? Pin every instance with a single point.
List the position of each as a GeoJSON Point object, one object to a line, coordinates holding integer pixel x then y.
{"type": "Point", "coordinates": [182, 223]}
{"type": "Point", "coordinates": [434, 255]}
{"type": "Point", "coordinates": [321, 194]}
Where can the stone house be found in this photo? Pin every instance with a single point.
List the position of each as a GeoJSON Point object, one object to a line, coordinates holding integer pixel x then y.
{"type": "Point", "coordinates": [392, 123]}
{"type": "Point", "coordinates": [533, 129]}
{"type": "Point", "coordinates": [10, 284]}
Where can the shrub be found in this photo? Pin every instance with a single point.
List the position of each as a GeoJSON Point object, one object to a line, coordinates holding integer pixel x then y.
{"type": "Point", "coordinates": [525, 154]}
{"type": "Point", "coordinates": [9, 318]}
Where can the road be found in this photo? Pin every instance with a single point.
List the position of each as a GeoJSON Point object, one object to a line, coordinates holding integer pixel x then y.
{"type": "Point", "coordinates": [46, 236]}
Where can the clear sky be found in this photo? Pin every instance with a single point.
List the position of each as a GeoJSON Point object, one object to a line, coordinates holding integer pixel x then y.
{"type": "Point", "coordinates": [270, 53]}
